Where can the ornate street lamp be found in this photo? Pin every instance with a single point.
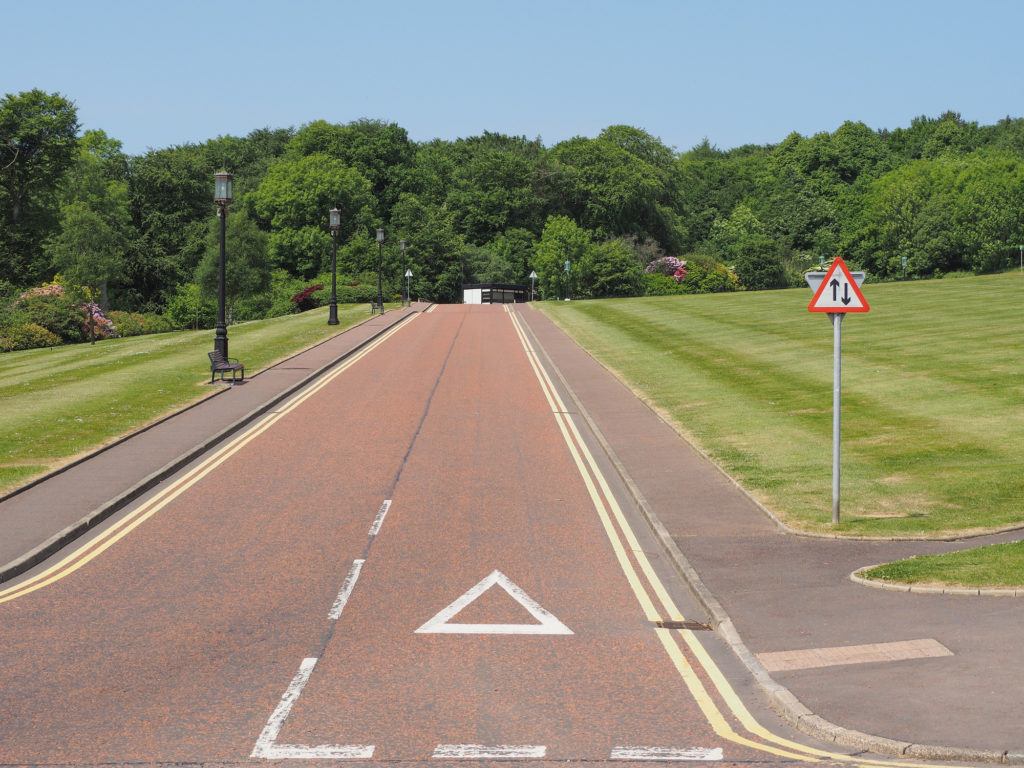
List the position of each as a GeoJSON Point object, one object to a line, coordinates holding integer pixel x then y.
{"type": "Point", "coordinates": [222, 197]}
{"type": "Point", "coordinates": [380, 267]}
{"type": "Point", "coordinates": [401, 244]}
{"type": "Point", "coordinates": [335, 221]}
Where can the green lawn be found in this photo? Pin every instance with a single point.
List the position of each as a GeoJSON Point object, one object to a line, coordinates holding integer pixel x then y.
{"type": "Point", "coordinates": [933, 397]}
{"type": "Point", "coordinates": [997, 565]}
{"type": "Point", "coordinates": [62, 401]}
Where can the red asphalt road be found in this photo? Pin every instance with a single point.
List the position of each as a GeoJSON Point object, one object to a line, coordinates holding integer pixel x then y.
{"type": "Point", "coordinates": [178, 643]}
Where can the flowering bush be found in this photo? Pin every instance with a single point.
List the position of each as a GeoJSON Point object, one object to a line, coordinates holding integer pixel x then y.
{"type": "Point", "coordinates": [304, 299]}
{"type": "Point", "coordinates": [669, 266]}
{"type": "Point", "coordinates": [102, 326]}
{"type": "Point", "coordinates": [49, 307]}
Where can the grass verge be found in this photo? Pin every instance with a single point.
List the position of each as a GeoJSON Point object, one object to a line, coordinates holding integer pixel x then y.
{"type": "Point", "coordinates": [990, 567]}
{"type": "Point", "coordinates": [63, 401]}
{"type": "Point", "coordinates": [933, 381]}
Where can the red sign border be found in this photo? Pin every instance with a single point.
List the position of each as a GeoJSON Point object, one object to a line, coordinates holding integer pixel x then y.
{"type": "Point", "coordinates": [839, 264]}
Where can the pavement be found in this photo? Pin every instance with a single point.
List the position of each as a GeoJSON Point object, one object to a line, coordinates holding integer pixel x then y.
{"type": "Point", "coordinates": [923, 675]}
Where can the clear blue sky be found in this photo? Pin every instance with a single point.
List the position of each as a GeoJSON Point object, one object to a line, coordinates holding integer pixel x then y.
{"type": "Point", "coordinates": [155, 74]}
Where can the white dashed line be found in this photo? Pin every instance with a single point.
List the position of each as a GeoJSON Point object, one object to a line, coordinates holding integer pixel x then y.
{"type": "Point", "coordinates": [666, 753]}
{"type": "Point", "coordinates": [378, 521]}
{"type": "Point", "coordinates": [486, 752]}
{"type": "Point", "coordinates": [346, 590]}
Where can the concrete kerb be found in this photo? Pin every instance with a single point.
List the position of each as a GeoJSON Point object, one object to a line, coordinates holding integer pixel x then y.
{"type": "Point", "coordinates": [61, 539]}
{"type": "Point", "coordinates": [921, 590]}
{"type": "Point", "coordinates": [781, 698]}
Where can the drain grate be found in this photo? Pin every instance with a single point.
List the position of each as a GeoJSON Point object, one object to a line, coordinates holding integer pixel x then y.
{"type": "Point", "coordinates": [669, 624]}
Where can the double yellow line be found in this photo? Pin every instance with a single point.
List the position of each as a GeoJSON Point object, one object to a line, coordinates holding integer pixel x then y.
{"type": "Point", "coordinates": [104, 541]}
{"type": "Point", "coordinates": [651, 592]}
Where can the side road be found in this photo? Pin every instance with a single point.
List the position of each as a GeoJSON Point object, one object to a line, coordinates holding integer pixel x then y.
{"type": "Point", "coordinates": [44, 516]}
{"type": "Point", "coordinates": [925, 676]}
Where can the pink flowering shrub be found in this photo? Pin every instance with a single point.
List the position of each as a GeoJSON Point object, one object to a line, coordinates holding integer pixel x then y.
{"type": "Point", "coordinates": [103, 327]}
{"type": "Point", "coordinates": [669, 266]}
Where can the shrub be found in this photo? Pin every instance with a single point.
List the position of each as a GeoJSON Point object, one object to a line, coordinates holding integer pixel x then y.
{"type": "Point", "coordinates": [99, 324]}
{"type": "Point", "coordinates": [50, 307]}
{"type": "Point", "coordinates": [357, 293]}
{"type": "Point", "coordinates": [27, 336]}
{"type": "Point", "coordinates": [669, 266]}
{"type": "Point", "coordinates": [135, 324]}
{"type": "Point", "coordinates": [188, 309]}
{"type": "Point", "coordinates": [305, 299]}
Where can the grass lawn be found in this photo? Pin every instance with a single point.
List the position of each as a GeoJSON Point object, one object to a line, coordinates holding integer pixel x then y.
{"type": "Point", "coordinates": [997, 565]}
{"type": "Point", "coordinates": [60, 402]}
{"type": "Point", "coordinates": [933, 397]}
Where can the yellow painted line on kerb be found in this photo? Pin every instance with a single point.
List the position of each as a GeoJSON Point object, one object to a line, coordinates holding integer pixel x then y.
{"type": "Point", "coordinates": [608, 508]}
{"type": "Point", "coordinates": [90, 551]}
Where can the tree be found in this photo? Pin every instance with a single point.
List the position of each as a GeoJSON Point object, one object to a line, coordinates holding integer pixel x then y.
{"type": "Point", "coordinates": [615, 271]}
{"type": "Point", "coordinates": [246, 265]}
{"type": "Point", "coordinates": [434, 248]}
{"type": "Point", "coordinates": [742, 242]}
{"type": "Point", "coordinates": [87, 251]}
{"type": "Point", "coordinates": [380, 151]}
{"type": "Point", "coordinates": [562, 242]}
{"type": "Point", "coordinates": [171, 193]}
{"type": "Point", "coordinates": [293, 202]}
{"type": "Point", "coordinates": [612, 191]}
{"type": "Point", "coordinates": [98, 180]}
{"type": "Point", "coordinates": [37, 145]}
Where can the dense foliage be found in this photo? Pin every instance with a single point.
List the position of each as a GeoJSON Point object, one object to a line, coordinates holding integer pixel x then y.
{"type": "Point", "coordinates": [596, 217]}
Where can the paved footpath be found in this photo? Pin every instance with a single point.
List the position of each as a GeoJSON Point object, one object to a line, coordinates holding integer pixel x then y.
{"type": "Point", "coordinates": [926, 676]}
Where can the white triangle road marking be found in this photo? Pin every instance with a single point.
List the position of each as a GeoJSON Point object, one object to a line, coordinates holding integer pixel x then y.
{"type": "Point", "coordinates": [548, 623]}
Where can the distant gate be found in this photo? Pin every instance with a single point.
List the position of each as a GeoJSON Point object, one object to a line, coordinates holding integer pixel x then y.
{"type": "Point", "coordinates": [495, 293]}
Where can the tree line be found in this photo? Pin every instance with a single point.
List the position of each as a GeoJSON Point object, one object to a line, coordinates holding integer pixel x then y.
{"type": "Point", "coordinates": [620, 214]}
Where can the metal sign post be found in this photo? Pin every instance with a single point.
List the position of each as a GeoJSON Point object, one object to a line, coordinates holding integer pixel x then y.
{"type": "Point", "coordinates": [836, 292]}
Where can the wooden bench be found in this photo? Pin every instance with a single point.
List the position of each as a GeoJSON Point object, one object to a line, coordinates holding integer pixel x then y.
{"type": "Point", "coordinates": [220, 364]}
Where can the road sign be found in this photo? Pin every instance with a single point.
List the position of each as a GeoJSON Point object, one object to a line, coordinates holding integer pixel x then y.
{"type": "Point", "coordinates": [839, 292]}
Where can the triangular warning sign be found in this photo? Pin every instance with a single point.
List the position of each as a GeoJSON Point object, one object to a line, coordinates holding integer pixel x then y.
{"type": "Point", "coordinates": [838, 292]}
{"type": "Point", "coordinates": [548, 624]}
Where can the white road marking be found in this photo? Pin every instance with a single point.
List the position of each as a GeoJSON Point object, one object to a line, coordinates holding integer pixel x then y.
{"type": "Point", "coordinates": [346, 590]}
{"type": "Point", "coordinates": [378, 521]}
{"type": "Point", "coordinates": [485, 752]}
{"type": "Point", "coordinates": [266, 746]}
{"type": "Point", "coordinates": [549, 624]}
{"type": "Point", "coordinates": [666, 753]}
{"type": "Point", "coordinates": [322, 752]}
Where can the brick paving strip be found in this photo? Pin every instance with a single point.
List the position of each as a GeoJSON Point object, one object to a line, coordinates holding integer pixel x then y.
{"type": "Point", "coordinates": [813, 658]}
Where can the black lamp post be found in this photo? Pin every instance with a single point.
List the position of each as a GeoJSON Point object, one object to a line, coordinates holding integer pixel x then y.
{"type": "Point", "coordinates": [335, 220]}
{"type": "Point", "coordinates": [221, 196]}
{"type": "Point", "coordinates": [401, 244]}
{"type": "Point", "coordinates": [380, 268]}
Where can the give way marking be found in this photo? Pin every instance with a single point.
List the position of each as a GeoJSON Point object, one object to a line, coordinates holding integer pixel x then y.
{"type": "Point", "coordinates": [547, 624]}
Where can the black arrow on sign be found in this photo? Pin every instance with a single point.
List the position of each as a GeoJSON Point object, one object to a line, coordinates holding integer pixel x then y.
{"type": "Point", "coordinates": [835, 289]}
{"type": "Point", "coordinates": [846, 294]}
